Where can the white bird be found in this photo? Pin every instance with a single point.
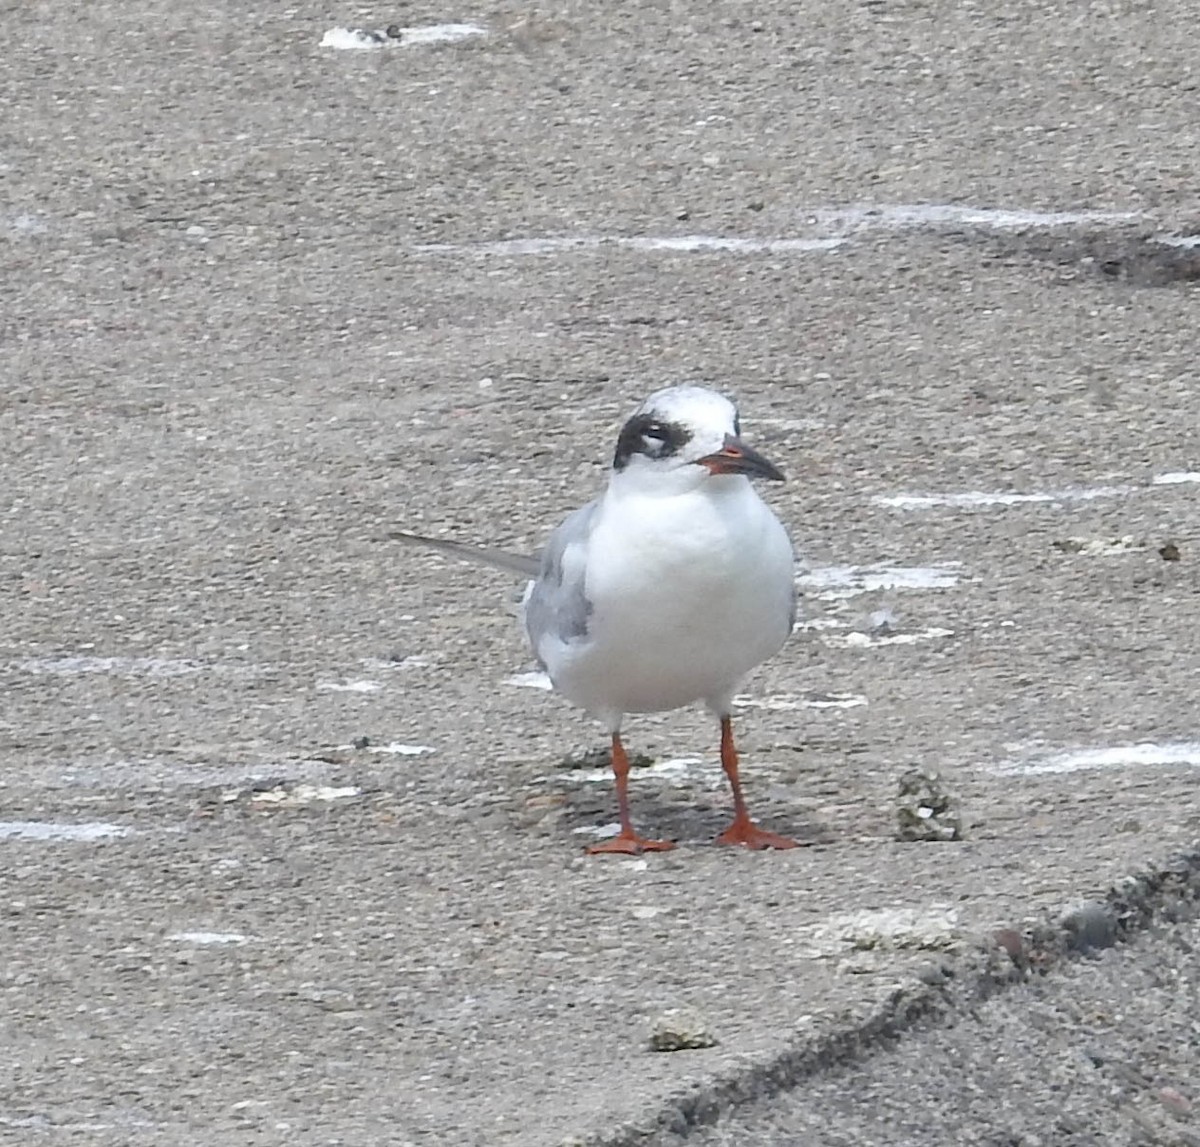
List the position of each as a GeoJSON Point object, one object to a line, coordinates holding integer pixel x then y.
{"type": "Point", "coordinates": [666, 590]}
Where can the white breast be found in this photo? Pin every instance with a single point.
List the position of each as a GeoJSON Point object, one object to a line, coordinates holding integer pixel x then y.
{"type": "Point", "coordinates": [688, 594]}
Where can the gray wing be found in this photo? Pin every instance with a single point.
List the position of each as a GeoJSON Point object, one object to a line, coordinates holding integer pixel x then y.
{"type": "Point", "coordinates": [556, 605]}
{"type": "Point", "coordinates": [485, 555]}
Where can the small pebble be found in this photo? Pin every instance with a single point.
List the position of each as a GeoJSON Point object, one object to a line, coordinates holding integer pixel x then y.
{"type": "Point", "coordinates": [1011, 942]}
{"type": "Point", "coordinates": [882, 623]}
{"type": "Point", "coordinates": [1174, 1101]}
{"type": "Point", "coordinates": [1092, 925]}
{"type": "Point", "coordinates": [681, 1029]}
{"type": "Point", "coordinates": [924, 810]}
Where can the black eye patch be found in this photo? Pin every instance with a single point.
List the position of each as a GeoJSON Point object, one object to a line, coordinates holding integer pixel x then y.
{"type": "Point", "coordinates": [653, 437]}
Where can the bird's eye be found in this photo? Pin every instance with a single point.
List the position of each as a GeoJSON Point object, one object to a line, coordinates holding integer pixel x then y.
{"type": "Point", "coordinates": [655, 430]}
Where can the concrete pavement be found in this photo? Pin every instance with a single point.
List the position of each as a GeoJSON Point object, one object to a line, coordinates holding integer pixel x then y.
{"type": "Point", "coordinates": [254, 316]}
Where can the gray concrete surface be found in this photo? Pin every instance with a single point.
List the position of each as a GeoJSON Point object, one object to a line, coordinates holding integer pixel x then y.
{"type": "Point", "coordinates": [247, 327]}
{"type": "Point", "coordinates": [1103, 1052]}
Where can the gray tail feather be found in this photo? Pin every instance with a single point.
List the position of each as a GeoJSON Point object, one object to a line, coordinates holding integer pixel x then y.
{"type": "Point", "coordinates": [485, 555]}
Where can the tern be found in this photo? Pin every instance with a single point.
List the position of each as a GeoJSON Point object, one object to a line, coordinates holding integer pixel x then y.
{"type": "Point", "coordinates": [666, 590]}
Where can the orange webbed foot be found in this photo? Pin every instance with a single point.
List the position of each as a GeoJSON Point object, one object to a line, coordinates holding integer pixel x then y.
{"type": "Point", "coordinates": [629, 844]}
{"type": "Point", "coordinates": [748, 835]}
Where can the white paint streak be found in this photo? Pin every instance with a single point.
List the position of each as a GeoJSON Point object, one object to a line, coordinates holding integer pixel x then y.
{"type": "Point", "coordinates": [395, 748]}
{"type": "Point", "coordinates": [78, 664]}
{"type": "Point", "coordinates": [672, 767]}
{"type": "Point", "coordinates": [828, 229]}
{"type": "Point", "coordinates": [300, 794]}
{"type": "Point", "coordinates": [871, 641]}
{"type": "Point", "coordinates": [935, 216]}
{"type": "Point", "coordinates": [49, 831]}
{"type": "Point", "coordinates": [441, 33]}
{"type": "Point", "coordinates": [1177, 478]}
{"type": "Point", "coordinates": [349, 686]}
{"type": "Point", "coordinates": [979, 499]}
{"type": "Point", "coordinates": [23, 223]}
{"type": "Point", "coordinates": [675, 768]}
{"type": "Point", "coordinates": [1144, 755]}
{"type": "Point", "coordinates": [599, 831]}
{"type": "Point", "coordinates": [402, 750]}
{"type": "Point", "coordinates": [532, 680]}
{"type": "Point", "coordinates": [1188, 242]}
{"type": "Point", "coordinates": [366, 39]}
{"type": "Point", "coordinates": [969, 499]}
{"type": "Point", "coordinates": [533, 246]}
{"type": "Point", "coordinates": [209, 937]}
{"type": "Point", "coordinates": [682, 244]}
{"type": "Point", "coordinates": [722, 243]}
{"type": "Point", "coordinates": [353, 39]}
{"type": "Point", "coordinates": [836, 701]}
{"type": "Point", "coordinates": [785, 702]}
{"type": "Point", "coordinates": [836, 583]}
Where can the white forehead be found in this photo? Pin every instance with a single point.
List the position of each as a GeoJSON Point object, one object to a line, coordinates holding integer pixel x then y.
{"type": "Point", "coordinates": [704, 411]}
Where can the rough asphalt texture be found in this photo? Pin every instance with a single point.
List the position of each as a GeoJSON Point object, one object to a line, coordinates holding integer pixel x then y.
{"type": "Point", "coordinates": [244, 334]}
{"type": "Point", "coordinates": [1103, 1053]}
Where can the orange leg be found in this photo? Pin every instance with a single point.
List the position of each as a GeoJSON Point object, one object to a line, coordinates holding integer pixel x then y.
{"type": "Point", "coordinates": [626, 841]}
{"type": "Point", "coordinates": [743, 831]}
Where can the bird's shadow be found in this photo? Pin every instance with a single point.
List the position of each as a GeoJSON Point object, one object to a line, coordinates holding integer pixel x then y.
{"type": "Point", "coordinates": [686, 818]}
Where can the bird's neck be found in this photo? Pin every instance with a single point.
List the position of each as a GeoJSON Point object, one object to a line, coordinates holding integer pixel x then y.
{"type": "Point", "coordinates": [624, 486]}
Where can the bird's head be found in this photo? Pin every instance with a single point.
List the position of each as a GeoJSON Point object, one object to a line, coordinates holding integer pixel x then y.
{"type": "Point", "coordinates": [683, 436]}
